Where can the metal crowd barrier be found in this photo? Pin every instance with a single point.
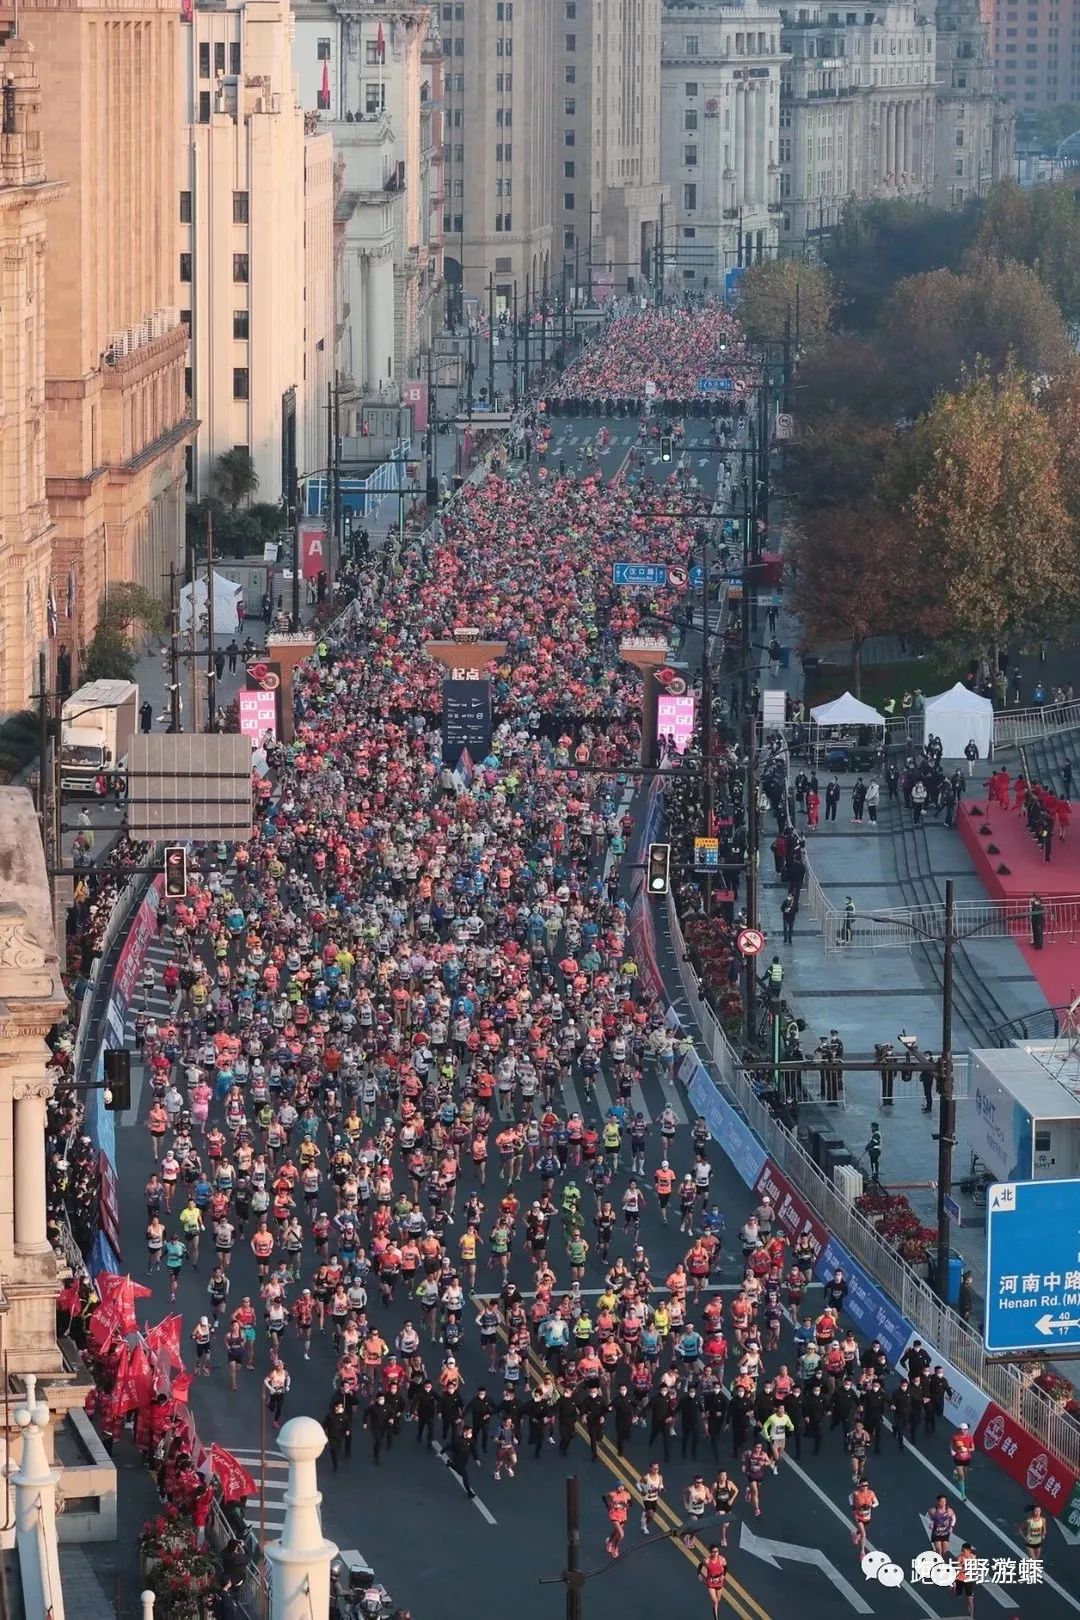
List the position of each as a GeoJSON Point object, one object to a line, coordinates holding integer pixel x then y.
{"type": "Point", "coordinates": [932, 1320]}
{"type": "Point", "coordinates": [1015, 726]}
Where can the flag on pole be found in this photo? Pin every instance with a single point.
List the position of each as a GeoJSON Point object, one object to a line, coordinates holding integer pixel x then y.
{"type": "Point", "coordinates": [324, 93]}
{"type": "Point", "coordinates": [50, 612]}
{"type": "Point", "coordinates": [380, 44]}
{"type": "Point", "coordinates": [70, 594]}
{"type": "Point", "coordinates": [236, 1483]}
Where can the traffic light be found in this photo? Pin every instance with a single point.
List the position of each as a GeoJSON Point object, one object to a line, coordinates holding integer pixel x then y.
{"type": "Point", "coordinates": [659, 863]}
{"type": "Point", "coordinates": [117, 1080]}
{"type": "Point", "coordinates": [665, 447]}
{"type": "Point", "coordinates": [175, 872]}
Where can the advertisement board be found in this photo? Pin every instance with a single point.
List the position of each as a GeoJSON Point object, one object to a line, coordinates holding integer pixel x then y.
{"type": "Point", "coordinates": [793, 1214]}
{"type": "Point", "coordinates": [727, 1130]}
{"type": "Point", "coordinates": [1025, 1460]}
{"type": "Point", "coordinates": [258, 714]}
{"type": "Point", "coordinates": [675, 720]}
{"type": "Point", "coordinates": [133, 954]}
{"type": "Point", "coordinates": [466, 719]}
{"type": "Point", "coordinates": [312, 549]}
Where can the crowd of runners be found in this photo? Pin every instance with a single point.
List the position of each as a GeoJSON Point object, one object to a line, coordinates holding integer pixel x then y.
{"type": "Point", "coordinates": [363, 1115]}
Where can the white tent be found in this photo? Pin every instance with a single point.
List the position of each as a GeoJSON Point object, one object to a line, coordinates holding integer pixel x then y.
{"type": "Point", "coordinates": [226, 596]}
{"type": "Point", "coordinates": [846, 711]}
{"type": "Point", "coordinates": [956, 716]}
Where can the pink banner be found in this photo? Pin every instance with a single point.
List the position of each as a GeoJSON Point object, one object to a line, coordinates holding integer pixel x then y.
{"type": "Point", "coordinates": [675, 719]}
{"type": "Point", "coordinates": [258, 714]}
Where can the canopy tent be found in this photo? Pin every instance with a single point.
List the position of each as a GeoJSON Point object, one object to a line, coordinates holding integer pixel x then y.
{"type": "Point", "coordinates": [846, 734]}
{"type": "Point", "coordinates": [846, 711]}
{"type": "Point", "coordinates": [227, 594]}
{"type": "Point", "coordinates": [957, 716]}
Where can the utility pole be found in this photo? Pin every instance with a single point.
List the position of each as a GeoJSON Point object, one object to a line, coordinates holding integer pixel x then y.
{"type": "Point", "coordinates": [589, 299]}
{"type": "Point", "coordinates": [787, 359]}
{"type": "Point", "coordinates": [331, 471]}
{"type": "Point", "coordinates": [525, 323]}
{"type": "Point", "coordinates": [334, 549]}
{"type": "Point", "coordinates": [491, 340]}
{"type": "Point", "coordinates": [706, 720]}
{"type": "Point", "coordinates": [750, 736]}
{"type": "Point", "coordinates": [562, 339]}
{"type": "Point", "coordinates": [294, 505]}
{"type": "Point", "coordinates": [575, 1580]}
{"type": "Point", "coordinates": [946, 1099]}
{"type": "Point", "coordinates": [514, 352]}
{"type": "Point", "coordinates": [211, 670]}
{"type": "Point", "coordinates": [432, 425]}
{"type": "Point", "coordinates": [43, 743]}
{"type": "Point", "coordinates": [174, 652]}
{"type": "Point", "coordinates": [543, 324]}
{"type": "Point", "coordinates": [470, 372]}
{"type": "Point", "coordinates": [661, 268]}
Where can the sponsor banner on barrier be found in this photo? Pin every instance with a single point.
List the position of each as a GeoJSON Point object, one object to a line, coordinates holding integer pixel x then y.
{"type": "Point", "coordinates": [143, 930]}
{"type": "Point", "coordinates": [730, 1133]}
{"type": "Point", "coordinates": [1070, 1517]}
{"type": "Point", "coordinates": [873, 1313]}
{"type": "Point", "coordinates": [793, 1214]}
{"type": "Point", "coordinates": [965, 1402]}
{"type": "Point", "coordinates": [1024, 1459]}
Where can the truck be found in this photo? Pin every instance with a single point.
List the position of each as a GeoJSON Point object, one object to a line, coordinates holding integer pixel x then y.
{"type": "Point", "coordinates": [96, 725]}
{"type": "Point", "coordinates": [1026, 1120]}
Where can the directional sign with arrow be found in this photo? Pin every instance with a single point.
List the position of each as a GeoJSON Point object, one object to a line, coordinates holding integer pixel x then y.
{"type": "Point", "coordinates": [773, 1552]}
{"type": "Point", "coordinates": [1032, 1266]}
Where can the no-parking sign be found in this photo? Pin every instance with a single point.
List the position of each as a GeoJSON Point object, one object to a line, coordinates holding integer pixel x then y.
{"type": "Point", "coordinates": [750, 941]}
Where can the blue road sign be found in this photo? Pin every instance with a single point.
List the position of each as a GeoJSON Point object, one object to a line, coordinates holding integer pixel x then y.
{"type": "Point", "coordinates": [651, 575]}
{"type": "Point", "coordinates": [952, 1210]}
{"type": "Point", "coordinates": [732, 289]}
{"type": "Point", "coordinates": [1033, 1266]}
{"type": "Point", "coordinates": [697, 575]}
{"type": "Point", "coordinates": [715, 385]}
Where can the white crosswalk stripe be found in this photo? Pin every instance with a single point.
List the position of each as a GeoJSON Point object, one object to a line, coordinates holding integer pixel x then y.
{"type": "Point", "coordinates": [276, 1474]}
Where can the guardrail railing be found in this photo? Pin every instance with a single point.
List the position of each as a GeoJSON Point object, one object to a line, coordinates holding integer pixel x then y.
{"type": "Point", "coordinates": [932, 1320]}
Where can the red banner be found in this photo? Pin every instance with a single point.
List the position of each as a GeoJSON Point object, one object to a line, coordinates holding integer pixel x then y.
{"type": "Point", "coordinates": [165, 1339]}
{"type": "Point", "coordinates": [312, 548]}
{"type": "Point", "coordinates": [1026, 1460]}
{"type": "Point", "coordinates": [793, 1215]}
{"type": "Point", "coordinates": [416, 395]}
{"type": "Point", "coordinates": [132, 956]}
{"type": "Point", "coordinates": [236, 1483]}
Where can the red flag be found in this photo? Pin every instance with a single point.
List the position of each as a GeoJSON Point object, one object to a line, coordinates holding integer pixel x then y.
{"type": "Point", "coordinates": [119, 1294]}
{"type": "Point", "coordinates": [324, 93]}
{"type": "Point", "coordinates": [165, 1339]}
{"type": "Point", "coordinates": [103, 1328]}
{"type": "Point", "coordinates": [134, 1382]}
{"type": "Point", "coordinates": [380, 44]}
{"type": "Point", "coordinates": [236, 1483]}
{"type": "Point", "coordinates": [181, 1386]}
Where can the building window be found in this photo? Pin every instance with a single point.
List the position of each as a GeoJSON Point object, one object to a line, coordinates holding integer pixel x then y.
{"type": "Point", "coordinates": [185, 267]}
{"type": "Point", "coordinates": [689, 198]}
{"type": "Point", "coordinates": [458, 224]}
{"type": "Point", "coordinates": [689, 232]}
{"type": "Point", "coordinates": [240, 325]}
{"type": "Point", "coordinates": [959, 137]}
{"type": "Point", "coordinates": [571, 9]}
{"type": "Point", "coordinates": [219, 57]}
{"type": "Point", "coordinates": [690, 118]}
{"type": "Point", "coordinates": [204, 106]}
{"type": "Point", "coordinates": [691, 87]}
{"type": "Point", "coordinates": [240, 382]}
{"type": "Point", "coordinates": [371, 52]}
{"type": "Point", "coordinates": [375, 99]}
{"type": "Point", "coordinates": [240, 208]}
{"type": "Point", "coordinates": [234, 60]}
{"type": "Point", "coordinates": [570, 106]}
{"type": "Point", "coordinates": [568, 201]}
{"type": "Point", "coordinates": [568, 171]}
{"type": "Point", "coordinates": [185, 208]}
{"type": "Point", "coordinates": [322, 50]}
{"type": "Point", "coordinates": [570, 75]}
{"type": "Point", "coordinates": [204, 61]}
{"type": "Point", "coordinates": [690, 45]}
{"type": "Point", "coordinates": [503, 267]}
{"type": "Point", "coordinates": [185, 318]}
{"type": "Point", "coordinates": [690, 156]}
{"type": "Point", "coordinates": [568, 137]}
{"type": "Point", "coordinates": [568, 237]}
{"type": "Point", "coordinates": [240, 267]}
{"type": "Point", "coordinates": [571, 42]}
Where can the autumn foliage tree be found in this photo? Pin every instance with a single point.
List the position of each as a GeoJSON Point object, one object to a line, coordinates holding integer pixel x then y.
{"type": "Point", "coordinates": [778, 291]}
{"type": "Point", "coordinates": [851, 566]}
{"type": "Point", "coordinates": [977, 486]}
{"type": "Point", "coordinates": [835, 460]}
{"type": "Point", "coordinates": [1038, 226]}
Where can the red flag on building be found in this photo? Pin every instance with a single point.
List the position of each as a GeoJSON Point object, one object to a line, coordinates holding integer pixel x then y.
{"type": "Point", "coordinates": [324, 93]}
{"type": "Point", "coordinates": [380, 44]}
{"type": "Point", "coordinates": [236, 1483]}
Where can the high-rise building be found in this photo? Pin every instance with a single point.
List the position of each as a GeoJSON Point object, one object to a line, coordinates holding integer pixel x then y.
{"type": "Point", "coordinates": [118, 419]}
{"type": "Point", "coordinates": [499, 120]}
{"type": "Point", "coordinates": [606, 187]}
{"type": "Point", "coordinates": [26, 199]}
{"type": "Point", "coordinates": [721, 75]}
{"type": "Point", "coordinates": [253, 217]}
{"type": "Point", "coordinates": [1035, 48]}
{"type": "Point", "coordinates": [856, 111]}
{"type": "Point", "coordinates": [974, 127]}
{"type": "Point", "coordinates": [372, 72]}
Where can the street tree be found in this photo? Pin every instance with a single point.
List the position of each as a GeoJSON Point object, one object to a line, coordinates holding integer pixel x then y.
{"type": "Point", "coordinates": [1038, 226]}
{"type": "Point", "coordinates": [992, 315]}
{"type": "Point", "coordinates": [978, 487]}
{"type": "Point", "coordinates": [125, 608]}
{"type": "Point", "coordinates": [1055, 123]}
{"type": "Point", "coordinates": [835, 459]}
{"type": "Point", "coordinates": [876, 244]}
{"type": "Point", "coordinates": [782, 294]}
{"type": "Point", "coordinates": [235, 478]}
{"type": "Point", "coordinates": [850, 567]}
{"type": "Point", "coordinates": [843, 372]}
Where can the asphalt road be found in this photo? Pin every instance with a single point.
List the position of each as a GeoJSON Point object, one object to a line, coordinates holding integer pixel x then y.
{"type": "Point", "coordinates": [440, 1553]}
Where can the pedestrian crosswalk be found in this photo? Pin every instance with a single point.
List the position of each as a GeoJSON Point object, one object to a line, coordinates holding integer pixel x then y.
{"type": "Point", "coordinates": [267, 1506]}
{"type": "Point", "coordinates": [159, 1004]}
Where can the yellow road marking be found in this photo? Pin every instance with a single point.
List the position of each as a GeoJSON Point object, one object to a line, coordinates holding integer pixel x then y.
{"type": "Point", "coordinates": [735, 1594]}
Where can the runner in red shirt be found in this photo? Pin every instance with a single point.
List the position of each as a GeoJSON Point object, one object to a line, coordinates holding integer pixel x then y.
{"type": "Point", "coordinates": [962, 1446]}
{"type": "Point", "coordinates": [712, 1574]}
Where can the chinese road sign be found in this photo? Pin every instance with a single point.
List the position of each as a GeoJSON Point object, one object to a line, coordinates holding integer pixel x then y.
{"type": "Point", "coordinates": [1033, 1266]}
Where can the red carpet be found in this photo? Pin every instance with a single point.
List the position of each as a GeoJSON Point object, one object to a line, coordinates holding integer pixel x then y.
{"type": "Point", "coordinates": [1057, 965]}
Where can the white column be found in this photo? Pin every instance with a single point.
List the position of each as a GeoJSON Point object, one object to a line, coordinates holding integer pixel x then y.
{"type": "Point", "coordinates": [737, 147]}
{"type": "Point", "coordinates": [30, 1219]}
{"type": "Point", "coordinates": [890, 142]}
{"type": "Point", "coordinates": [761, 150]}
{"type": "Point", "coordinates": [35, 1513]}
{"type": "Point", "coordinates": [300, 1560]}
{"type": "Point", "coordinates": [748, 145]}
